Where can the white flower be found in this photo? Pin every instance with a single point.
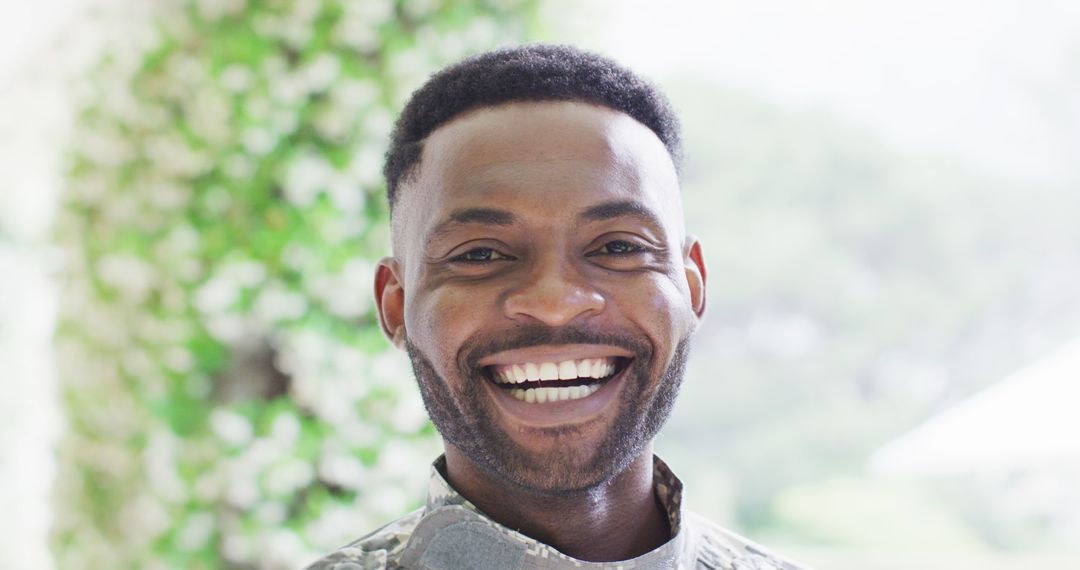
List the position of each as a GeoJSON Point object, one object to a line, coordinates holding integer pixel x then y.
{"type": "Point", "coordinates": [277, 304]}
{"type": "Point", "coordinates": [236, 78]}
{"type": "Point", "coordinates": [341, 293]}
{"type": "Point", "coordinates": [216, 296]}
{"type": "Point", "coordinates": [286, 90]}
{"type": "Point", "coordinates": [179, 359]}
{"type": "Point", "coordinates": [342, 469]}
{"type": "Point", "coordinates": [144, 518]}
{"type": "Point", "coordinates": [288, 477]}
{"type": "Point", "coordinates": [346, 195]}
{"type": "Point", "coordinates": [354, 94]}
{"type": "Point", "coordinates": [284, 121]}
{"type": "Point", "coordinates": [390, 368]}
{"type": "Point", "coordinates": [308, 175]}
{"type": "Point", "coordinates": [333, 123]}
{"type": "Point", "coordinates": [336, 525]}
{"type": "Point", "coordinates": [238, 167]}
{"type": "Point", "coordinates": [231, 427]}
{"type": "Point", "coordinates": [378, 123]}
{"type": "Point", "coordinates": [285, 429]}
{"type": "Point", "coordinates": [209, 114]}
{"type": "Point", "coordinates": [182, 239]}
{"type": "Point", "coordinates": [259, 141]}
{"type": "Point", "coordinates": [237, 548]}
{"type": "Point", "coordinates": [298, 257]}
{"type": "Point", "coordinates": [366, 165]}
{"type": "Point", "coordinates": [420, 9]}
{"type": "Point", "coordinates": [388, 500]}
{"type": "Point", "coordinates": [127, 274]}
{"type": "Point", "coordinates": [160, 461]}
{"type": "Point", "coordinates": [168, 195]}
{"type": "Point", "coordinates": [409, 415]}
{"type": "Point", "coordinates": [322, 71]}
{"type": "Point", "coordinates": [245, 273]}
{"type": "Point", "coordinates": [241, 492]}
{"type": "Point", "coordinates": [282, 550]}
{"type": "Point", "coordinates": [374, 12]}
{"type": "Point", "coordinates": [216, 9]}
{"type": "Point", "coordinates": [271, 513]}
{"type": "Point", "coordinates": [354, 32]}
{"type": "Point", "coordinates": [196, 531]}
{"type": "Point", "coordinates": [230, 328]}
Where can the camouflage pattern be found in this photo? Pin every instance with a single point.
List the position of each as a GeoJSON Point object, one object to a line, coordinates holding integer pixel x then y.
{"type": "Point", "coordinates": [450, 532]}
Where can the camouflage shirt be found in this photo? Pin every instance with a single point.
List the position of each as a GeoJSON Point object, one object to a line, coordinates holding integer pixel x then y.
{"type": "Point", "coordinates": [450, 533]}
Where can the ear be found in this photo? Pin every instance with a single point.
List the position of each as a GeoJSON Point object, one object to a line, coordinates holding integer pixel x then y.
{"type": "Point", "coordinates": [390, 300]}
{"type": "Point", "coordinates": [695, 275]}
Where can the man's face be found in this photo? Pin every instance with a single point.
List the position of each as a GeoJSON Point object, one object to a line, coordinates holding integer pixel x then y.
{"type": "Point", "coordinates": [544, 289]}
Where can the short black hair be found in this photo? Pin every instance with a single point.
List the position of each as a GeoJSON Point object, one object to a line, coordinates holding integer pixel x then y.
{"type": "Point", "coordinates": [535, 72]}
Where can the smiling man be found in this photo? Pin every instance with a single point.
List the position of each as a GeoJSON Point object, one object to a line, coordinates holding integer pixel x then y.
{"type": "Point", "coordinates": [546, 292]}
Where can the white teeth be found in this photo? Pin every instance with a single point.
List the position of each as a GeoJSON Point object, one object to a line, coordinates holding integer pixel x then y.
{"type": "Point", "coordinates": [564, 370]}
{"type": "Point", "coordinates": [545, 395]}
{"type": "Point", "coordinates": [548, 371]}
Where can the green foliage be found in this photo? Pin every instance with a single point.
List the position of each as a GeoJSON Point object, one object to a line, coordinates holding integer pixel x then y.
{"type": "Point", "coordinates": [230, 398]}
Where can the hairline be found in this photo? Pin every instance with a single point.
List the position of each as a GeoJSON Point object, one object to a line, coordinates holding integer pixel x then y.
{"type": "Point", "coordinates": [412, 173]}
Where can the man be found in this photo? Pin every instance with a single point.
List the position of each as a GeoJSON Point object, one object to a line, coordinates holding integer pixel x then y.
{"type": "Point", "coordinates": [546, 293]}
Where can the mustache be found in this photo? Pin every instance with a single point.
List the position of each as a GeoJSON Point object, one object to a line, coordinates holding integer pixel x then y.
{"type": "Point", "coordinates": [538, 335]}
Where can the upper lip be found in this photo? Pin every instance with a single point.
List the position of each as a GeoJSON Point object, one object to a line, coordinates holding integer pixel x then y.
{"type": "Point", "coordinates": [554, 353]}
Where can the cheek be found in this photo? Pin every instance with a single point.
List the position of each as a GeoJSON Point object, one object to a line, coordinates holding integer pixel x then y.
{"type": "Point", "coordinates": [440, 320]}
{"type": "Point", "coordinates": [662, 309]}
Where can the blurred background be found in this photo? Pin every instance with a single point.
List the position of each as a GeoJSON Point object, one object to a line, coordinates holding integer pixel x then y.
{"type": "Point", "coordinates": [190, 206]}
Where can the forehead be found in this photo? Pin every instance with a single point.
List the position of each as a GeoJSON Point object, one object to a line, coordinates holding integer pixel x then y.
{"type": "Point", "coordinates": [543, 156]}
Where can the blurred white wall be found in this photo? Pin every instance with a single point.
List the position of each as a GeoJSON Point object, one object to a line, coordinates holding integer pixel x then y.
{"type": "Point", "coordinates": [34, 117]}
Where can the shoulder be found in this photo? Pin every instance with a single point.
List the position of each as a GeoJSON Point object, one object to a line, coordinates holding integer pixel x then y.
{"type": "Point", "coordinates": [378, 550]}
{"type": "Point", "coordinates": [725, 549]}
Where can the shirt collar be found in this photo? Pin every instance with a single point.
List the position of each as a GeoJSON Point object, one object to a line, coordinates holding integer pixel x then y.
{"type": "Point", "coordinates": [667, 487]}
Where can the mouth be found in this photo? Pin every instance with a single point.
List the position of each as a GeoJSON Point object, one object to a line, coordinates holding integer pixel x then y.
{"type": "Point", "coordinates": [552, 381]}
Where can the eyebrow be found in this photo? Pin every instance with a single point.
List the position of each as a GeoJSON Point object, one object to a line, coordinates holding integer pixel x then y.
{"type": "Point", "coordinates": [620, 208]}
{"type": "Point", "coordinates": [480, 216]}
{"type": "Point", "coordinates": [496, 217]}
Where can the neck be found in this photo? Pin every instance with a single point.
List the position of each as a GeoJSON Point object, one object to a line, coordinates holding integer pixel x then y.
{"type": "Point", "coordinates": [619, 520]}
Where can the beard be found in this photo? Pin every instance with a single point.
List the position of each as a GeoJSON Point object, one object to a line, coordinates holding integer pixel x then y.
{"type": "Point", "coordinates": [466, 417]}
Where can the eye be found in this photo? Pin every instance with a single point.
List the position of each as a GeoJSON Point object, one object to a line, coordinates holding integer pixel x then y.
{"type": "Point", "coordinates": [480, 255]}
{"type": "Point", "coordinates": [620, 247]}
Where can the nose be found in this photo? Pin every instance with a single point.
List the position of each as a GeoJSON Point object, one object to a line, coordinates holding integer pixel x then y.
{"type": "Point", "coordinates": [554, 293]}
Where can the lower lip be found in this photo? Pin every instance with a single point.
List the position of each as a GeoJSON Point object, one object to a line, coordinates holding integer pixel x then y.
{"type": "Point", "coordinates": [561, 413]}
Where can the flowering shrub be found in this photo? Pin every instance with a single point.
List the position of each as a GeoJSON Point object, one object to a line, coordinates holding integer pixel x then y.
{"type": "Point", "coordinates": [230, 399]}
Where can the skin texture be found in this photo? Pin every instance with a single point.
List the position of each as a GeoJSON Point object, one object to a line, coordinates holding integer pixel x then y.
{"type": "Point", "coordinates": [584, 254]}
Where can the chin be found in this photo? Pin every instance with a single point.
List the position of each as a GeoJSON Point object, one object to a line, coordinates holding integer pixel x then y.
{"type": "Point", "coordinates": [567, 459]}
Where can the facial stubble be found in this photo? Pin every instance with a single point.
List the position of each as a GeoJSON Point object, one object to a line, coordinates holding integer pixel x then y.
{"type": "Point", "coordinates": [466, 418]}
